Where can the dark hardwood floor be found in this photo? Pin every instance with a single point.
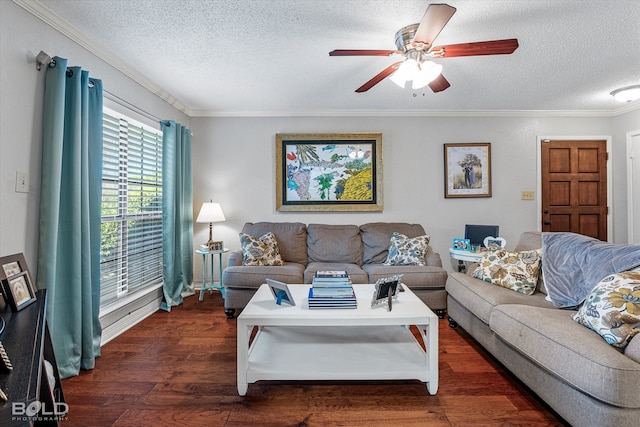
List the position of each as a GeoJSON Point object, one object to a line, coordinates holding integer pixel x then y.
{"type": "Point", "coordinates": [179, 368]}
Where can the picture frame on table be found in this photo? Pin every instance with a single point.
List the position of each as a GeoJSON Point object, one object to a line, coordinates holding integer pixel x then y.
{"type": "Point", "coordinates": [467, 170]}
{"type": "Point", "coordinates": [280, 292]}
{"type": "Point", "coordinates": [461, 244]}
{"type": "Point", "coordinates": [386, 290]}
{"type": "Point", "coordinates": [17, 287]}
{"type": "Point", "coordinates": [329, 172]}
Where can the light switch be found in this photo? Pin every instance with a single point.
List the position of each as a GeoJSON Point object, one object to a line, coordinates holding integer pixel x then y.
{"type": "Point", "coordinates": [22, 182]}
{"type": "Point", "coordinates": [527, 195]}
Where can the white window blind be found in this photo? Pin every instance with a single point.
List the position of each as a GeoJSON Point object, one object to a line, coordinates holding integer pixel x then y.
{"type": "Point", "coordinates": [131, 241]}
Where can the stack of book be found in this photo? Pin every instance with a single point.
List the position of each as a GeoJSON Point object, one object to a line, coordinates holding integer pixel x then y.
{"type": "Point", "coordinates": [332, 289]}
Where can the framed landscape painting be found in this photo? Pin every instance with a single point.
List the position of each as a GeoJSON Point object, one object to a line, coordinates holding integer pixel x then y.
{"type": "Point", "coordinates": [329, 172]}
{"type": "Point", "coordinates": [467, 170]}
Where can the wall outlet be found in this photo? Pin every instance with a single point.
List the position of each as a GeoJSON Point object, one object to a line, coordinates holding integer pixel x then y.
{"type": "Point", "coordinates": [22, 182]}
{"type": "Point", "coordinates": [527, 195]}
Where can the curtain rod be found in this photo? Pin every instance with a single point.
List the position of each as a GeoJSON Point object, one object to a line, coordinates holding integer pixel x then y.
{"type": "Point", "coordinates": [130, 106]}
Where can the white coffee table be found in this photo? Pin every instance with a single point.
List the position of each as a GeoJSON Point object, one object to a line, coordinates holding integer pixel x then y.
{"type": "Point", "coordinates": [296, 343]}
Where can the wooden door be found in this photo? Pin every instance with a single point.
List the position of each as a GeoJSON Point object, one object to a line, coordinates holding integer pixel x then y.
{"type": "Point", "coordinates": [574, 187]}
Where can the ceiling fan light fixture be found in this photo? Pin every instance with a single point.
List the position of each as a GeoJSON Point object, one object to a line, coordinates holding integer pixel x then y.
{"type": "Point", "coordinates": [627, 94]}
{"type": "Point", "coordinates": [428, 72]}
{"type": "Point", "coordinates": [406, 71]}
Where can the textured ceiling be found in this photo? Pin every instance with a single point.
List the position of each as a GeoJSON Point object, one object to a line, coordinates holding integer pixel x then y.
{"type": "Point", "coordinates": [271, 56]}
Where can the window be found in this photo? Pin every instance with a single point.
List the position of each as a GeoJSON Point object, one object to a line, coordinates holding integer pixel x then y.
{"type": "Point", "coordinates": [131, 240]}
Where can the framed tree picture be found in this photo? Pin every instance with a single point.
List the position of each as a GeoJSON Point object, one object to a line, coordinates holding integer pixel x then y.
{"type": "Point", "coordinates": [467, 170]}
{"type": "Point", "coordinates": [329, 172]}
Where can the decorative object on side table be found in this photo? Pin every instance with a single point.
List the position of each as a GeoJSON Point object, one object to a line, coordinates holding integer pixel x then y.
{"type": "Point", "coordinates": [386, 290]}
{"type": "Point", "coordinates": [211, 212]}
{"type": "Point", "coordinates": [493, 243]}
{"type": "Point", "coordinates": [17, 286]}
{"type": "Point", "coordinates": [461, 244]}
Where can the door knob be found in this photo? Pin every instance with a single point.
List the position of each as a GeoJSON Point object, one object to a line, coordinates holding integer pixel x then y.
{"type": "Point", "coordinates": [547, 222]}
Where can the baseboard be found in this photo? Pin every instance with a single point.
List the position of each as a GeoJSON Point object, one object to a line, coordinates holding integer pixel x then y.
{"type": "Point", "coordinates": [130, 314]}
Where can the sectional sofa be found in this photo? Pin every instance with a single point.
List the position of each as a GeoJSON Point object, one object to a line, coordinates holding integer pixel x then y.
{"type": "Point", "coordinates": [573, 369]}
{"type": "Point", "coordinates": [359, 250]}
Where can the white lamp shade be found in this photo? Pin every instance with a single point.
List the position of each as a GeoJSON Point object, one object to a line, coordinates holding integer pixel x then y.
{"type": "Point", "coordinates": [428, 73]}
{"type": "Point", "coordinates": [211, 212]}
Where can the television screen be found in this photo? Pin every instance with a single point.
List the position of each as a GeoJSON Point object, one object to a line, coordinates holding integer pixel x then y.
{"type": "Point", "coordinates": [477, 233]}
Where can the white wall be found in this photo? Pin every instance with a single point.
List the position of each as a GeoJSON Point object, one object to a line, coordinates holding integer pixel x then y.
{"type": "Point", "coordinates": [621, 125]}
{"type": "Point", "coordinates": [22, 36]}
{"type": "Point", "coordinates": [233, 161]}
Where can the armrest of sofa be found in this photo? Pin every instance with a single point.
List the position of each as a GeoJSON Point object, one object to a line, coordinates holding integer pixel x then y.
{"type": "Point", "coordinates": [235, 258]}
{"type": "Point", "coordinates": [433, 259]}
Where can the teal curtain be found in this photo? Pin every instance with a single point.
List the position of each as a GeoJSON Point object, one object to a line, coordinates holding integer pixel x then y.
{"type": "Point", "coordinates": [177, 214]}
{"type": "Point", "coordinates": [70, 198]}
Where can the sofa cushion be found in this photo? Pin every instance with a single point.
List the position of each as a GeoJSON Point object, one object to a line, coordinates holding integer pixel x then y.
{"type": "Point", "coordinates": [414, 276]}
{"type": "Point", "coordinates": [252, 276]}
{"type": "Point", "coordinates": [481, 297]}
{"type": "Point", "coordinates": [552, 340]}
{"type": "Point", "coordinates": [291, 237]}
{"type": "Point", "coordinates": [261, 250]}
{"type": "Point", "coordinates": [334, 243]}
{"type": "Point", "coordinates": [612, 309]}
{"type": "Point", "coordinates": [356, 274]}
{"type": "Point", "coordinates": [517, 271]}
{"type": "Point", "coordinates": [407, 251]}
{"type": "Point", "coordinates": [377, 235]}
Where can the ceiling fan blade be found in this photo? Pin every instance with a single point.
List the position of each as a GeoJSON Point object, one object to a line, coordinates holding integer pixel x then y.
{"type": "Point", "coordinates": [439, 84]}
{"type": "Point", "coordinates": [362, 52]}
{"type": "Point", "coordinates": [433, 21]}
{"type": "Point", "coordinates": [493, 47]}
{"type": "Point", "coordinates": [379, 77]}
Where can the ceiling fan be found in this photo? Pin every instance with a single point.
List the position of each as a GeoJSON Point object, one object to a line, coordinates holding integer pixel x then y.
{"type": "Point", "coordinates": [415, 43]}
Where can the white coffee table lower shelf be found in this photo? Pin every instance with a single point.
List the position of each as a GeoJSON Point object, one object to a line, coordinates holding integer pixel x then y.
{"type": "Point", "coordinates": [295, 343]}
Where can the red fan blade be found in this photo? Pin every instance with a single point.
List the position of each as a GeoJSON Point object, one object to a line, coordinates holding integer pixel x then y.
{"type": "Point", "coordinates": [493, 47]}
{"type": "Point", "coordinates": [433, 21]}
{"type": "Point", "coordinates": [439, 84]}
{"type": "Point", "coordinates": [362, 52]}
{"type": "Point", "coordinates": [378, 78]}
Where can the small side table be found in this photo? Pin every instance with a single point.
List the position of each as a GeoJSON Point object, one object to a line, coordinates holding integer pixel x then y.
{"type": "Point", "coordinates": [463, 256]}
{"type": "Point", "coordinates": [211, 284]}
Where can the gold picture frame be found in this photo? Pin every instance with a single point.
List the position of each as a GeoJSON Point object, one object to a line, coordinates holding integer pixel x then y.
{"type": "Point", "coordinates": [329, 172]}
{"type": "Point", "coordinates": [467, 170]}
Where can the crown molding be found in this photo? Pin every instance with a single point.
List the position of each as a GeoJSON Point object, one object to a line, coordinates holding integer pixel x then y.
{"type": "Point", "coordinates": [52, 19]}
{"type": "Point", "coordinates": [416, 113]}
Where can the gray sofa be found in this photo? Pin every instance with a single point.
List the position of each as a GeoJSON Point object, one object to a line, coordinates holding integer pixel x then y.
{"type": "Point", "coordinates": [584, 379]}
{"type": "Point", "coordinates": [359, 250]}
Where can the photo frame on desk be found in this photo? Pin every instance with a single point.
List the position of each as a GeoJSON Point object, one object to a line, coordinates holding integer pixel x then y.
{"type": "Point", "coordinates": [17, 287]}
{"type": "Point", "coordinates": [280, 292]}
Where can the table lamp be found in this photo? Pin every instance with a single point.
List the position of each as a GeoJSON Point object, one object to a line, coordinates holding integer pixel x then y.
{"type": "Point", "coordinates": [211, 212]}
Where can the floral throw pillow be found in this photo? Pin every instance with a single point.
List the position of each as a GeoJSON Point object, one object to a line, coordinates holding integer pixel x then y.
{"type": "Point", "coordinates": [517, 271]}
{"type": "Point", "coordinates": [260, 251]}
{"type": "Point", "coordinates": [407, 251]}
{"type": "Point", "coordinates": [612, 309]}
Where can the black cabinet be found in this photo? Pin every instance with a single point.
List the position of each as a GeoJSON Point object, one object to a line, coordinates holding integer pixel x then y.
{"type": "Point", "coordinates": [33, 399]}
